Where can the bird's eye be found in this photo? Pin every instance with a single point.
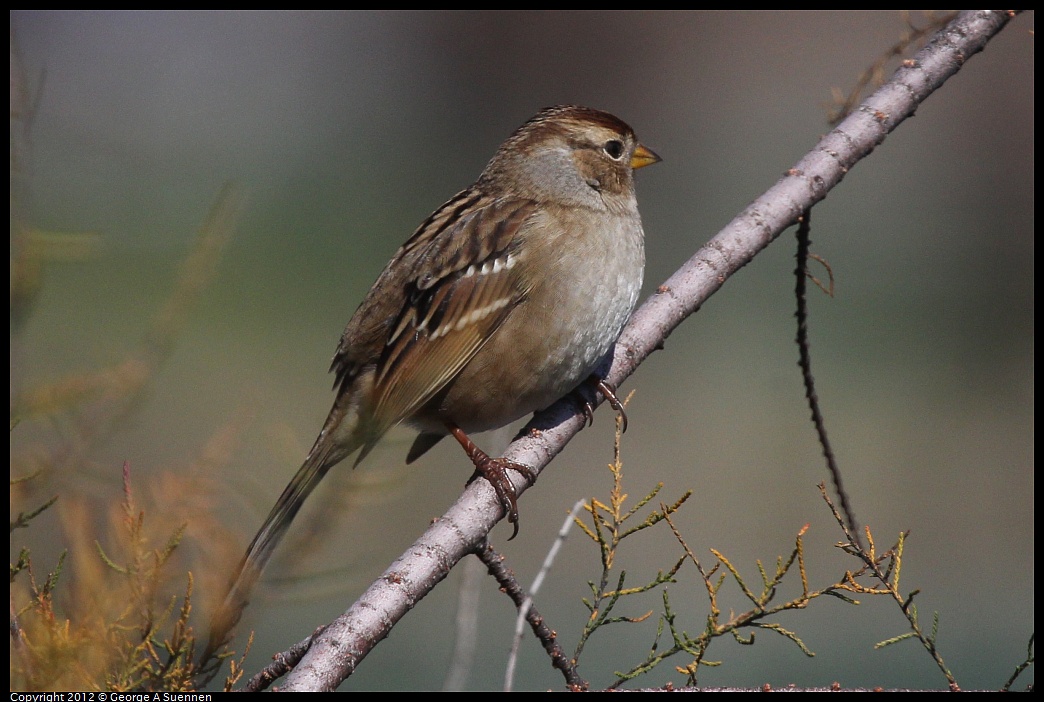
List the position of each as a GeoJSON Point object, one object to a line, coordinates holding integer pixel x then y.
{"type": "Point", "coordinates": [614, 149]}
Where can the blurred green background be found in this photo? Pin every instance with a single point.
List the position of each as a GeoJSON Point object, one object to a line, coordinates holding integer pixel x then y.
{"type": "Point", "coordinates": [345, 130]}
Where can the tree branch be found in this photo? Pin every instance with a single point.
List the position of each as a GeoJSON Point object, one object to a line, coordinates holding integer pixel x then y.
{"type": "Point", "coordinates": [336, 652]}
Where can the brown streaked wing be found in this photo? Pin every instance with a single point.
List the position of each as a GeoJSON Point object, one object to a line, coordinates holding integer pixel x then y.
{"type": "Point", "coordinates": [375, 319]}
{"type": "Point", "coordinates": [462, 290]}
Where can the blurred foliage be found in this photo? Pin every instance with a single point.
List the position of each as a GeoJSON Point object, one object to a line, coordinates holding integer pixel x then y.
{"type": "Point", "coordinates": [119, 624]}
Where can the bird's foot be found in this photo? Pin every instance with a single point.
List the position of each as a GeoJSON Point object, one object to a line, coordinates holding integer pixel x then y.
{"type": "Point", "coordinates": [608, 391]}
{"type": "Point", "coordinates": [494, 470]}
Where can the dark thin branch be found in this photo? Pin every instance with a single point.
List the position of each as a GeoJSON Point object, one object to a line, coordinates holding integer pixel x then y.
{"type": "Point", "coordinates": [494, 562]}
{"type": "Point", "coordinates": [805, 362]}
{"type": "Point", "coordinates": [282, 663]}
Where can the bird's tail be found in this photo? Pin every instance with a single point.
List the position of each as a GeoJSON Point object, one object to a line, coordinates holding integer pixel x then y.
{"type": "Point", "coordinates": [279, 519]}
{"type": "Point", "coordinates": [339, 439]}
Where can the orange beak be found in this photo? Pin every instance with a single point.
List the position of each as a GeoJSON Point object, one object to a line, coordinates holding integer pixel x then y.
{"type": "Point", "coordinates": [644, 157]}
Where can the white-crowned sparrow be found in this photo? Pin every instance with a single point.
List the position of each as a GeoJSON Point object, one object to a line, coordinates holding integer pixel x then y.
{"type": "Point", "coordinates": [503, 300]}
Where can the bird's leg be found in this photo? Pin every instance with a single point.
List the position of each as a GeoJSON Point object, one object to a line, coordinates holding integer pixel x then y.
{"type": "Point", "coordinates": [609, 393]}
{"type": "Point", "coordinates": [494, 470]}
